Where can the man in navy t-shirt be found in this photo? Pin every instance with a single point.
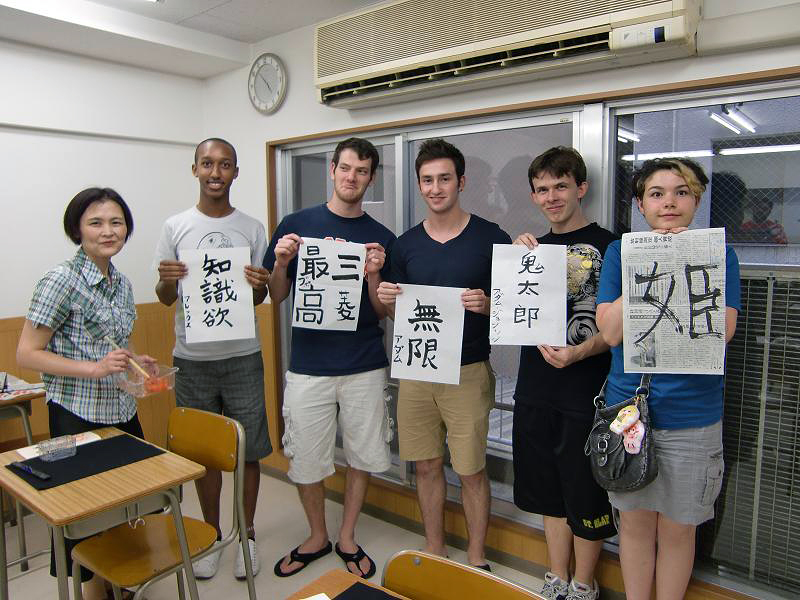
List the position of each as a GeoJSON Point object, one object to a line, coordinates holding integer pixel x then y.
{"type": "Point", "coordinates": [453, 248]}
{"type": "Point", "coordinates": [335, 373]}
{"type": "Point", "coordinates": [553, 408]}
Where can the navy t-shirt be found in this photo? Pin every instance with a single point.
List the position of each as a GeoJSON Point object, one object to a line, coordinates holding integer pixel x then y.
{"type": "Point", "coordinates": [676, 401]}
{"type": "Point", "coordinates": [570, 390]}
{"type": "Point", "coordinates": [325, 352]}
{"type": "Point", "coordinates": [464, 261]}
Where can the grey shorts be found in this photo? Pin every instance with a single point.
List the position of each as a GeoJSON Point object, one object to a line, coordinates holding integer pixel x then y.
{"type": "Point", "coordinates": [233, 387]}
{"type": "Point", "coordinates": [690, 469]}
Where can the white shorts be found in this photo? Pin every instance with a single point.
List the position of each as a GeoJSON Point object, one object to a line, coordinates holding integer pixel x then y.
{"type": "Point", "coordinates": [310, 405]}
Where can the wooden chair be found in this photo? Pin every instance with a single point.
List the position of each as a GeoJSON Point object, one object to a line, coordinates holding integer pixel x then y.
{"type": "Point", "coordinates": [423, 576]}
{"type": "Point", "coordinates": [134, 556]}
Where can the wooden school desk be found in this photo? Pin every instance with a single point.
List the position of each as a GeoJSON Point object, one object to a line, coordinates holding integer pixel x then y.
{"type": "Point", "coordinates": [335, 582]}
{"type": "Point", "coordinates": [87, 506]}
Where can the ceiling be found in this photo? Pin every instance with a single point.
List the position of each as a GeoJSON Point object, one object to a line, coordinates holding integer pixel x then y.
{"type": "Point", "coordinates": [247, 21]}
{"type": "Point", "coordinates": [194, 38]}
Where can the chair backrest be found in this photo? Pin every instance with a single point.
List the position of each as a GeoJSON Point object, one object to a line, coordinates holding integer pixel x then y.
{"type": "Point", "coordinates": [204, 437]}
{"type": "Point", "coordinates": [424, 576]}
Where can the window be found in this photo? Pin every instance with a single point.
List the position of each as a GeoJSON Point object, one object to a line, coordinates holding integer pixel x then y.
{"type": "Point", "coordinates": [751, 151]}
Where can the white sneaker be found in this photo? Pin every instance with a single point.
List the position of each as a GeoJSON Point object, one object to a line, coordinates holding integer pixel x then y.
{"type": "Point", "coordinates": [554, 587]}
{"type": "Point", "coordinates": [206, 567]}
{"type": "Point", "coordinates": [238, 569]}
{"type": "Point", "coordinates": [581, 591]}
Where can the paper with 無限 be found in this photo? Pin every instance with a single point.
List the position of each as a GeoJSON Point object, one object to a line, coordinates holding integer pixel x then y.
{"type": "Point", "coordinates": [428, 329]}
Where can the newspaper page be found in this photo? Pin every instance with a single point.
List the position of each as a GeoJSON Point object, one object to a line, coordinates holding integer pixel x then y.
{"type": "Point", "coordinates": [529, 295]}
{"type": "Point", "coordinates": [673, 290]}
{"type": "Point", "coordinates": [327, 291]}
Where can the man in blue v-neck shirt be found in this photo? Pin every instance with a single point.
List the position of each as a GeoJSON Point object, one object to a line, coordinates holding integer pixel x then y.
{"type": "Point", "coordinates": [453, 248]}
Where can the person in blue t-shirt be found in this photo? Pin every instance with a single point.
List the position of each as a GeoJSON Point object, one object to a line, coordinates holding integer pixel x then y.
{"type": "Point", "coordinates": [451, 247]}
{"type": "Point", "coordinates": [658, 522]}
{"type": "Point", "coordinates": [335, 374]}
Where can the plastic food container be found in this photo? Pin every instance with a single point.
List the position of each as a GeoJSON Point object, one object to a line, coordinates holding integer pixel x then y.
{"type": "Point", "coordinates": [135, 383]}
{"type": "Point", "coordinates": [56, 448]}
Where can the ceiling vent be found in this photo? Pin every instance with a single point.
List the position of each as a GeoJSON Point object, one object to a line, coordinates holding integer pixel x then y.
{"type": "Point", "coordinates": [409, 49]}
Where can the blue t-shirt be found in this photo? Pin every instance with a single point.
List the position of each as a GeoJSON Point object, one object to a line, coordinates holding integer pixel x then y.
{"type": "Point", "coordinates": [464, 261]}
{"type": "Point", "coordinates": [676, 401]}
{"type": "Point", "coordinates": [325, 352]}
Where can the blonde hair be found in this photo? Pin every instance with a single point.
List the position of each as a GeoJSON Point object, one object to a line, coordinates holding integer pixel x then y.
{"type": "Point", "coordinates": [690, 171]}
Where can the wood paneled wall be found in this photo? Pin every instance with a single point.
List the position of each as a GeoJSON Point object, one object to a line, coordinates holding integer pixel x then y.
{"type": "Point", "coordinates": [153, 334]}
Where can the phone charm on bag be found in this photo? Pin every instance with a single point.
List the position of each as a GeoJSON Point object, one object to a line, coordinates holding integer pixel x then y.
{"type": "Point", "coordinates": [630, 427]}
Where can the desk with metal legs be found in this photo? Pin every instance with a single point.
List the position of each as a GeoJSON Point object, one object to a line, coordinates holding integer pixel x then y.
{"type": "Point", "coordinates": [11, 407]}
{"type": "Point", "coordinates": [93, 504]}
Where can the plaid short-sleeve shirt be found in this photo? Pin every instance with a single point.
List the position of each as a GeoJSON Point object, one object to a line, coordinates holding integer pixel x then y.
{"type": "Point", "coordinates": [79, 304]}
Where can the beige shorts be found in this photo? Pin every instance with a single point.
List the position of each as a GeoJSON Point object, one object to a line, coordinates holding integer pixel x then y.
{"type": "Point", "coordinates": [312, 405]}
{"type": "Point", "coordinates": [427, 412]}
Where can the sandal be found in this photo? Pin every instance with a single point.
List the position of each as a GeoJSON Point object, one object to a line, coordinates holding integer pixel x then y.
{"type": "Point", "coordinates": [305, 558]}
{"type": "Point", "coordinates": [355, 558]}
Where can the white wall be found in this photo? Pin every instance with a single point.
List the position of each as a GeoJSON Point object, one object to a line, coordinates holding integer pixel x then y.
{"type": "Point", "coordinates": [67, 123]}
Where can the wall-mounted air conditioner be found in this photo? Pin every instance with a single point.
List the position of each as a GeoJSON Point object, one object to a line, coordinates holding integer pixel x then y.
{"type": "Point", "coordinates": [408, 49]}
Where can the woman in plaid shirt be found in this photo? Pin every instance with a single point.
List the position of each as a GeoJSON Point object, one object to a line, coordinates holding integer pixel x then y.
{"type": "Point", "coordinates": [76, 310]}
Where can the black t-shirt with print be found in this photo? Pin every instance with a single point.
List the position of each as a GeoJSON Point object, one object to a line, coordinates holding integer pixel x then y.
{"type": "Point", "coordinates": [571, 389]}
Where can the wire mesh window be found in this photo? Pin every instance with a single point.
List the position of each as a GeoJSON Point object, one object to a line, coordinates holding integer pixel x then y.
{"type": "Point", "coordinates": [751, 152]}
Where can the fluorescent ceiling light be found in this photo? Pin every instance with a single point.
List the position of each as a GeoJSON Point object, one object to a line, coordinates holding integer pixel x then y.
{"type": "Point", "coordinates": [621, 139]}
{"type": "Point", "coordinates": [686, 153]}
{"type": "Point", "coordinates": [628, 135]}
{"type": "Point", "coordinates": [761, 149]}
{"type": "Point", "coordinates": [735, 114]}
{"type": "Point", "coordinates": [725, 123]}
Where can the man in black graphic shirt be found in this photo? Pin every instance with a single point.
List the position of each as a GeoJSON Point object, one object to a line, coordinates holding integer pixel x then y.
{"type": "Point", "coordinates": [553, 400]}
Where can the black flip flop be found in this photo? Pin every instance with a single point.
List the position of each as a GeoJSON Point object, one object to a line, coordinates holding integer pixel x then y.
{"type": "Point", "coordinates": [306, 558]}
{"type": "Point", "coordinates": [355, 558]}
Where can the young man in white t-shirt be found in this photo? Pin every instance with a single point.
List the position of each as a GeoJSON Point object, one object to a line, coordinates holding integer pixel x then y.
{"type": "Point", "coordinates": [222, 377]}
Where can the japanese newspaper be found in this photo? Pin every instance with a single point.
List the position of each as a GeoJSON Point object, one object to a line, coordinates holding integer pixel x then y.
{"type": "Point", "coordinates": [673, 290]}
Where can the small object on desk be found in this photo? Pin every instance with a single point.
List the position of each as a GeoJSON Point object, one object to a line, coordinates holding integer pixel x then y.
{"type": "Point", "coordinates": [80, 439]}
{"type": "Point", "coordinates": [57, 448]}
{"type": "Point", "coordinates": [29, 469]}
{"type": "Point", "coordinates": [319, 596]}
{"type": "Point", "coordinates": [3, 381]}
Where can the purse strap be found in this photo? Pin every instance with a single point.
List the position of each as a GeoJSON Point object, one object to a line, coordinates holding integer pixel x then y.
{"type": "Point", "coordinates": [643, 390]}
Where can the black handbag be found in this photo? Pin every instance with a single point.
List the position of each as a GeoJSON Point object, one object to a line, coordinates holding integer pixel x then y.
{"type": "Point", "coordinates": [613, 468]}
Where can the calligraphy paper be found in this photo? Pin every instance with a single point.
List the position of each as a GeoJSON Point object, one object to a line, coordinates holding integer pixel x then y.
{"type": "Point", "coordinates": [529, 295]}
{"type": "Point", "coordinates": [217, 300]}
{"type": "Point", "coordinates": [327, 289]}
{"type": "Point", "coordinates": [673, 302]}
{"type": "Point", "coordinates": [428, 329]}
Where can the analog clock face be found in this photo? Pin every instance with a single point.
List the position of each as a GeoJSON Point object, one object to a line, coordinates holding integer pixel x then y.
{"type": "Point", "coordinates": [267, 83]}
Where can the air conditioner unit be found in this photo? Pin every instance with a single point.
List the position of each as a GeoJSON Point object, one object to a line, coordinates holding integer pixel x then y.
{"type": "Point", "coordinates": [409, 49]}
